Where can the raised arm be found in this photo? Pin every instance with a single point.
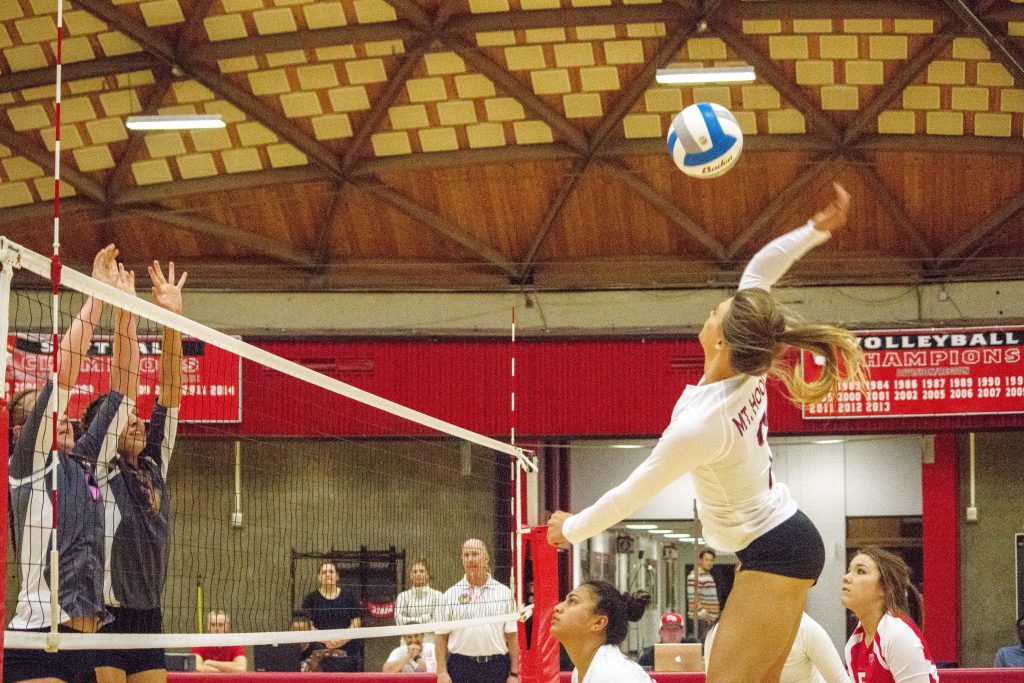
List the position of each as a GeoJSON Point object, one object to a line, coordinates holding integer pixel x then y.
{"type": "Point", "coordinates": [74, 346]}
{"type": "Point", "coordinates": [775, 258]}
{"type": "Point", "coordinates": [683, 447]}
{"type": "Point", "coordinates": [167, 295]}
{"type": "Point", "coordinates": [124, 367]}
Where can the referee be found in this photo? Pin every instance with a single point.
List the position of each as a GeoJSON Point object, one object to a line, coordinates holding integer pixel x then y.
{"type": "Point", "coordinates": [485, 653]}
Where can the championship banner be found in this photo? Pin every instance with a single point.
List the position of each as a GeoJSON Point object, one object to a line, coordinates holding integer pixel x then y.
{"type": "Point", "coordinates": [211, 377]}
{"type": "Point", "coordinates": [927, 373]}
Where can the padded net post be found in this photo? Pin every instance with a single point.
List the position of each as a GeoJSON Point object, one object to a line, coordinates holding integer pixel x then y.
{"type": "Point", "coordinates": [539, 651]}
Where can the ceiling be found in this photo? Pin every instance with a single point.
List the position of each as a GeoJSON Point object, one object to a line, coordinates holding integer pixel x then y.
{"type": "Point", "coordinates": [495, 145]}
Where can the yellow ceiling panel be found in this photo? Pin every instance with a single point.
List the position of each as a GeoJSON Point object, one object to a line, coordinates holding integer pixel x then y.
{"type": "Point", "coordinates": [582, 105]}
{"type": "Point", "coordinates": [31, 117]}
{"type": "Point", "coordinates": [36, 29]}
{"type": "Point", "coordinates": [5, 151]}
{"type": "Point", "coordinates": [897, 123]}
{"type": "Point", "coordinates": [887, 47]}
{"type": "Point", "coordinates": [947, 71]}
{"type": "Point", "coordinates": [525, 57]}
{"type": "Point", "coordinates": [229, 112]}
{"type": "Point", "coordinates": [779, 47]}
{"type": "Point", "coordinates": [114, 44]}
{"type": "Point", "coordinates": [591, 3]}
{"type": "Point", "coordinates": [210, 140]}
{"type": "Point", "coordinates": [438, 139]}
{"type": "Point", "coordinates": [286, 58]}
{"type": "Point", "coordinates": [89, 159]}
{"type": "Point", "coordinates": [325, 15]}
{"type": "Point", "coordinates": [151, 172]}
{"type": "Point", "coordinates": [391, 143]}
{"type": "Point", "coordinates": [10, 10]}
{"type": "Point", "coordinates": [864, 72]}
{"type": "Point", "coordinates": [970, 99]}
{"type": "Point", "coordinates": [945, 123]}
{"type": "Point", "coordinates": [786, 122]}
{"type": "Point", "coordinates": [456, 112]}
{"type": "Point", "coordinates": [913, 26]}
{"type": "Point", "coordinates": [720, 94]}
{"type": "Point", "coordinates": [196, 166]}
{"type": "Point", "coordinates": [317, 77]}
{"type": "Point", "coordinates": [77, 49]}
{"type": "Point", "coordinates": [599, 78]}
{"type": "Point", "coordinates": [993, 125]}
{"type": "Point", "coordinates": [840, 98]}
{"type": "Point", "coordinates": [44, 188]}
{"type": "Point", "coordinates": [272, 82]}
{"type": "Point", "coordinates": [332, 126]}
{"type": "Point", "coordinates": [241, 5]}
{"type": "Point", "coordinates": [362, 71]}
{"type": "Point", "coordinates": [349, 98]}
{"type": "Point", "coordinates": [242, 160]}
{"type": "Point", "coordinates": [225, 27]}
{"type": "Point", "coordinates": [815, 72]}
{"type": "Point", "coordinates": [15, 194]}
{"type": "Point", "coordinates": [551, 82]}
{"type": "Point", "coordinates": [80, 22]}
{"type": "Point", "coordinates": [426, 89]}
{"type": "Point", "coordinates": [663, 99]}
{"type": "Point", "coordinates": [482, 135]}
{"type": "Point", "coordinates": [237, 64]}
{"type": "Point", "coordinates": [276, 20]}
{"type": "Point", "coordinates": [299, 104]}
{"type": "Point", "coordinates": [75, 109]}
{"type": "Point", "coordinates": [406, 116]}
{"type": "Point", "coordinates": [486, 6]}
{"type": "Point", "coordinates": [20, 168]}
{"type": "Point", "coordinates": [760, 97]}
{"type": "Point", "coordinates": [25, 57]}
{"type": "Point", "coordinates": [105, 131]}
{"type": "Point", "coordinates": [642, 126]}
{"type": "Point", "coordinates": [374, 11]}
{"type": "Point", "coordinates": [596, 32]}
{"type": "Point", "coordinates": [970, 48]}
{"type": "Point", "coordinates": [133, 79]}
{"type": "Point", "coordinates": [443, 63]}
{"type": "Point", "coordinates": [178, 110]}
{"type": "Point", "coordinates": [838, 47]}
{"type": "Point", "coordinates": [864, 26]}
{"type": "Point", "coordinates": [993, 73]}
{"type": "Point", "coordinates": [532, 133]}
{"type": "Point", "coordinates": [921, 97]}
{"type": "Point", "coordinates": [70, 138]}
{"type": "Point", "coordinates": [504, 109]}
{"type": "Point", "coordinates": [191, 91]}
{"type": "Point", "coordinates": [495, 38]}
{"type": "Point", "coordinates": [42, 92]}
{"type": "Point", "coordinates": [624, 52]}
{"type": "Point", "coordinates": [165, 144]}
{"type": "Point", "coordinates": [1011, 100]}
{"type": "Point", "coordinates": [539, 4]}
{"type": "Point", "coordinates": [161, 12]}
{"type": "Point", "coordinates": [334, 53]}
{"type": "Point", "coordinates": [5, 38]}
{"type": "Point", "coordinates": [384, 48]}
{"type": "Point", "coordinates": [472, 86]}
{"type": "Point", "coordinates": [646, 30]}
{"type": "Point", "coordinates": [252, 134]}
{"type": "Point", "coordinates": [283, 156]}
{"type": "Point", "coordinates": [545, 35]}
{"type": "Point", "coordinates": [574, 54]}
{"type": "Point", "coordinates": [762, 26]}
{"type": "Point", "coordinates": [1015, 28]}
{"type": "Point", "coordinates": [811, 26]}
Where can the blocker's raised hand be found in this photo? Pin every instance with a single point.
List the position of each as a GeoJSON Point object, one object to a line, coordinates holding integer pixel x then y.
{"type": "Point", "coordinates": [166, 293]}
{"type": "Point", "coordinates": [833, 216]}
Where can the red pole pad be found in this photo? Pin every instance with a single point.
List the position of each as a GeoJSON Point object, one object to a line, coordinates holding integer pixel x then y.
{"type": "Point", "coordinates": [540, 662]}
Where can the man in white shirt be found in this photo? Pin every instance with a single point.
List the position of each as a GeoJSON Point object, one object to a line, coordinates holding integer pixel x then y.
{"type": "Point", "coordinates": [412, 656]}
{"type": "Point", "coordinates": [485, 653]}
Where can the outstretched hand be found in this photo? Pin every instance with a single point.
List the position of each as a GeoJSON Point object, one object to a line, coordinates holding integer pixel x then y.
{"type": "Point", "coordinates": [125, 279]}
{"type": "Point", "coordinates": [833, 216]}
{"type": "Point", "coordinates": [555, 535]}
{"type": "Point", "coordinates": [166, 293]}
{"type": "Point", "coordinates": [104, 265]}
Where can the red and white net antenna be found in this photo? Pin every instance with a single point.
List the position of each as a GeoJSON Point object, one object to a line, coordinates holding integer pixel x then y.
{"type": "Point", "coordinates": [55, 310]}
{"type": "Point", "coordinates": [524, 482]}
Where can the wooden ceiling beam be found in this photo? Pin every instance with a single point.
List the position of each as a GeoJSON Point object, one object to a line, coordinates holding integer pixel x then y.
{"type": "Point", "coordinates": [779, 203]}
{"type": "Point", "coordinates": [973, 242]}
{"type": "Point", "coordinates": [305, 40]}
{"type": "Point", "coordinates": [413, 13]}
{"type": "Point", "coordinates": [773, 76]}
{"type": "Point", "coordinates": [192, 32]}
{"type": "Point", "coordinates": [92, 68]}
{"type": "Point", "coordinates": [223, 183]}
{"type": "Point", "coordinates": [528, 262]}
{"type": "Point", "coordinates": [467, 24]}
{"type": "Point", "coordinates": [751, 143]}
{"type": "Point", "coordinates": [248, 239]}
{"type": "Point", "coordinates": [438, 223]}
{"type": "Point", "coordinates": [507, 82]}
{"type": "Point", "coordinates": [322, 242]}
{"type": "Point", "coordinates": [382, 104]}
{"type": "Point", "coordinates": [826, 9]}
{"type": "Point", "coordinates": [24, 146]}
{"type": "Point", "coordinates": [940, 144]}
{"type": "Point", "coordinates": [698, 233]}
{"type": "Point", "coordinates": [1000, 47]}
{"type": "Point", "coordinates": [466, 157]}
{"type": "Point", "coordinates": [895, 85]}
{"type": "Point", "coordinates": [882, 194]}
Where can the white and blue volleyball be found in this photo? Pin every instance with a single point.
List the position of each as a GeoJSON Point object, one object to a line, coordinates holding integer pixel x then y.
{"type": "Point", "coordinates": [705, 140]}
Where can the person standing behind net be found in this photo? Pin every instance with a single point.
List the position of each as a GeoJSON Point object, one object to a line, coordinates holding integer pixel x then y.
{"type": "Point", "coordinates": [886, 646]}
{"type": "Point", "coordinates": [79, 513]}
{"type": "Point", "coordinates": [133, 480]}
{"type": "Point", "coordinates": [702, 594]}
{"type": "Point", "coordinates": [330, 607]}
{"type": "Point", "coordinates": [418, 604]}
{"type": "Point", "coordinates": [591, 623]}
{"type": "Point", "coordinates": [718, 433]}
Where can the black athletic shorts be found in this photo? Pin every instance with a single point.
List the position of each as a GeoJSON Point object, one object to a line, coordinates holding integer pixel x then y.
{"type": "Point", "coordinates": [133, 621]}
{"type": "Point", "coordinates": [793, 548]}
{"type": "Point", "coordinates": [72, 666]}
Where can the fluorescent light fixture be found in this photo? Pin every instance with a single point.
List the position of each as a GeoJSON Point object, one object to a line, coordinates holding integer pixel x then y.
{"type": "Point", "coordinates": [176, 122]}
{"type": "Point", "coordinates": [659, 531]}
{"type": "Point", "coordinates": [677, 536]}
{"type": "Point", "coordinates": [717, 74]}
{"type": "Point", "coordinates": [643, 527]}
{"type": "Point", "coordinates": [627, 445]}
{"type": "Point", "coordinates": [828, 441]}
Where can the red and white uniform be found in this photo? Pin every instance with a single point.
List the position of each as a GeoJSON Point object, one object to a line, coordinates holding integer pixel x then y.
{"type": "Point", "coordinates": [898, 654]}
{"type": "Point", "coordinates": [718, 433]}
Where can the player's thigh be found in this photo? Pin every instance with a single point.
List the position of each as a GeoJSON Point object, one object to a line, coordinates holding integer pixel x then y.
{"type": "Point", "coordinates": [150, 676]}
{"type": "Point", "coordinates": [109, 674]}
{"type": "Point", "coordinates": [757, 628]}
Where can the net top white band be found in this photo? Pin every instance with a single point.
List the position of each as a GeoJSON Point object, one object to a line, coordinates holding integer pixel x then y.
{"type": "Point", "coordinates": [40, 265]}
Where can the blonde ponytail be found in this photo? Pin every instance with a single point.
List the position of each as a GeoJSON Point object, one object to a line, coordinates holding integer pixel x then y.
{"type": "Point", "coordinates": [759, 334]}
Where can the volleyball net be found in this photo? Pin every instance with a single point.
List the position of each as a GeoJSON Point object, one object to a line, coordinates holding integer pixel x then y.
{"type": "Point", "coordinates": [249, 485]}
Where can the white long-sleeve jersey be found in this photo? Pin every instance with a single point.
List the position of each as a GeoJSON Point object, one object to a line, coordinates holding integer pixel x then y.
{"type": "Point", "coordinates": [718, 433]}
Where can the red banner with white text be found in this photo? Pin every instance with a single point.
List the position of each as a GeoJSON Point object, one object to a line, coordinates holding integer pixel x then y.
{"type": "Point", "coordinates": [923, 373]}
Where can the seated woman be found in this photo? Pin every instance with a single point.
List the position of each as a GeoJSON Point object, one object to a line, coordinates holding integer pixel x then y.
{"type": "Point", "coordinates": [886, 646]}
{"type": "Point", "coordinates": [591, 623]}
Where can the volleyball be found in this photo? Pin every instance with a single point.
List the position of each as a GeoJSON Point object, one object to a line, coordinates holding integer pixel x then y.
{"type": "Point", "coordinates": [705, 140]}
